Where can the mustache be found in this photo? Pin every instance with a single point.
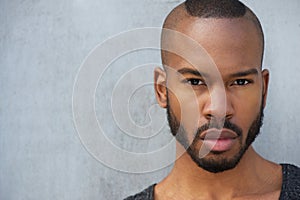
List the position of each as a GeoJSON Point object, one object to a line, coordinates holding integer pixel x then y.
{"type": "Point", "coordinates": [217, 125]}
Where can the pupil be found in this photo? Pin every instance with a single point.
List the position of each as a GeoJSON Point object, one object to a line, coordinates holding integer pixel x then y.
{"type": "Point", "coordinates": [195, 82]}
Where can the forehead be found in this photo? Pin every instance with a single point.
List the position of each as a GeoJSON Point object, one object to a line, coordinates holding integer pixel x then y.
{"type": "Point", "coordinates": [230, 43]}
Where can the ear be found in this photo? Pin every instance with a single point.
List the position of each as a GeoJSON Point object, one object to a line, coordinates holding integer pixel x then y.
{"type": "Point", "coordinates": [265, 76]}
{"type": "Point", "coordinates": [160, 87]}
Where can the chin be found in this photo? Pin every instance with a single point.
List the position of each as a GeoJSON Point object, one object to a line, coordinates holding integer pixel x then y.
{"type": "Point", "coordinates": [215, 161]}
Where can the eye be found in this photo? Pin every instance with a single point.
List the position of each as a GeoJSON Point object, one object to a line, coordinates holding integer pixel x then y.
{"type": "Point", "coordinates": [241, 82]}
{"type": "Point", "coordinates": [194, 81]}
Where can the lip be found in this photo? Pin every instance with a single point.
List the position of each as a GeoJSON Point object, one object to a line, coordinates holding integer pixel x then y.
{"type": "Point", "coordinates": [219, 140]}
{"type": "Point", "coordinates": [215, 134]}
{"type": "Point", "coordinates": [220, 145]}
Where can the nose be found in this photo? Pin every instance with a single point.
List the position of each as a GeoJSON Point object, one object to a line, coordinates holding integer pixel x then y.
{"type": "Point", "coordinates": [218, 105]}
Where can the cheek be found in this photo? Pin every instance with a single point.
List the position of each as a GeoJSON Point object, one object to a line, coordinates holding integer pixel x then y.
{"type": "Point", "coordinates": [185, 107]}
{"type": "Point", "coordinates": [246, 109]}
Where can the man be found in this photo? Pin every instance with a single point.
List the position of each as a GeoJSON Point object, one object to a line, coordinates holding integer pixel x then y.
{"type": "Point", "coordinates": [215, 106]}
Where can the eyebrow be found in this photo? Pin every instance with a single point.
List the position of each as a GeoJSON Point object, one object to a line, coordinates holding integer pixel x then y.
{"type": "Point", "coordinates": [191, 71]}
{"type": "Point", "coordinates": [248, 72]}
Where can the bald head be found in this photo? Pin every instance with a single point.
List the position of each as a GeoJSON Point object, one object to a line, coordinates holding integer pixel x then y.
{"type": "Point", "coordinates": [192, 10]}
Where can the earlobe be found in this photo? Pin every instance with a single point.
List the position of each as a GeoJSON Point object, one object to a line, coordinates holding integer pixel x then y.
{"type": "Point", "coordinates": [265, 77]}
{"type": "Point", "coordinates": [160, 87]}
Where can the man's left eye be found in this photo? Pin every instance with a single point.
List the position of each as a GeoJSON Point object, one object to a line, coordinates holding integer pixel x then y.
{"type": "Point", "coordinates": [241, 82]}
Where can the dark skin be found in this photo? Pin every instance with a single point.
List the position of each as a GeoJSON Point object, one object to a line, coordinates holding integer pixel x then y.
{"type": "Point", "coordinates": [235, 47]}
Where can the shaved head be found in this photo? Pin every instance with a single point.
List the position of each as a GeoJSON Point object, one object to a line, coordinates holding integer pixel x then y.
{"type": "Point", "coordinates": [192, 10]}
{"type": "Point", "coordinates": [212, 52]}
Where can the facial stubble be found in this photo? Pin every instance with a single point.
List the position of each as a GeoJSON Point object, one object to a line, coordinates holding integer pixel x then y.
{"type": "Point", "coordinates": [217, 163]}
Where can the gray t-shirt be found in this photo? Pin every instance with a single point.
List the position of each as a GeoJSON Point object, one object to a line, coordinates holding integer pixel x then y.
{"type": "Point", "coordinates": [290, 189]}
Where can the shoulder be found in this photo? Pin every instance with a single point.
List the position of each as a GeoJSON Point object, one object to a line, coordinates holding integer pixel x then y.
{"type": "Point", "coordinates": [146, 194]}
{"type": "Point", "coordinates": [290, 182]}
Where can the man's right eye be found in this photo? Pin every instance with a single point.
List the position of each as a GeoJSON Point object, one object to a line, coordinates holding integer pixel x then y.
{"type": "Point", "coordinates": [194, 81]}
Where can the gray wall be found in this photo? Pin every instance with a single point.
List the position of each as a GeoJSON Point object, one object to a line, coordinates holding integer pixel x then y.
{"type": "Point", "coordinates": [42, 46]}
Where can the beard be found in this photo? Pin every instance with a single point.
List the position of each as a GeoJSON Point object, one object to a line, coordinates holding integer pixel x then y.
{"type": "Point", "coordinates": [209, 163]}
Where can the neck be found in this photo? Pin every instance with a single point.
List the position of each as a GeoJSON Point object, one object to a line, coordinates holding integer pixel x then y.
{"type": "Point", "coordinates": [188, 180]}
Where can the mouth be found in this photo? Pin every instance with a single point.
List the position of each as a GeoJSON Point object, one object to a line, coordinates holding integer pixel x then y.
{"type": "Point", "coordinates": [215, 134]}
{"type": "Point", "coordinates": [219, 140]}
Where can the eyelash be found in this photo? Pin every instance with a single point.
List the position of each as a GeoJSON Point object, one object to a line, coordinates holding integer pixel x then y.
{"type": "Point", "coordinates": [201, 82]}
{"type": "Point", "coordinates": [190, 80]}
{"type": "Point", "coordinates": [244, 80]}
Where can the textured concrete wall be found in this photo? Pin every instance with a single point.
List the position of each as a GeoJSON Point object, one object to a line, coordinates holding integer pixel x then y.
{"type": "Point", "coordinates": [42, 45]}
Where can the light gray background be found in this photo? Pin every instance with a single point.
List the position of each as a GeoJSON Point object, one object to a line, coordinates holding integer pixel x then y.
{"type": "Point", "coordinates": [42, 45]}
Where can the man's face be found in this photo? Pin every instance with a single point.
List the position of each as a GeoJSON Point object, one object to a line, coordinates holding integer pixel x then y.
{"type": "Point", "coordinates": [220, 115]}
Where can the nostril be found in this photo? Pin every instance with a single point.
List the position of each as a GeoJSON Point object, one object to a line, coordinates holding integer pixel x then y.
{"type": "Point", "coordinates": [229, 116]}
{"type": "Point", "coordinates": [208, 116]}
